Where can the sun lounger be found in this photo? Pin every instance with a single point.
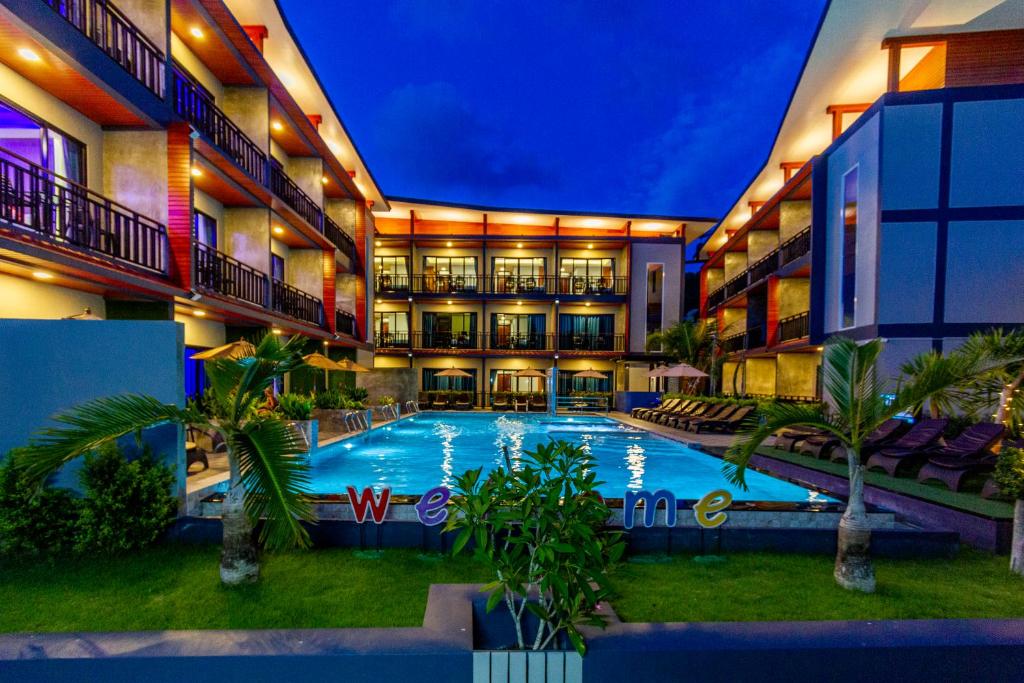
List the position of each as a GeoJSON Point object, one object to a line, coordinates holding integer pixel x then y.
{"type": "Point", "coordinates": [789, 439]}
{"type": "Point", "coordinates": [722, 424]}
{"type": "Point", "coordinates": [667, 416]}
{"type": "Point", "coordinates": [709, 411]}
{"type": "Point", "coordinates": [909, 449]}
{"type": "Point", "coordinates": [696, 409]}
{"type": "Point", "coordinates": [967, 454]}
{"type": "Point", "coordinates": [464, 402]}
{"type": "Point", "coordinates": [439, 403]}
{"type": "Point", "coordinates": [671, 404]}
{"type": "Point", "coordinates": [538, 403]}
{"type": "Point", "coordinates": [674, 409]}
{"type": "Point", "coordinates": [822, 446]}
{"type": "Point", "coordinates": [521, 403]}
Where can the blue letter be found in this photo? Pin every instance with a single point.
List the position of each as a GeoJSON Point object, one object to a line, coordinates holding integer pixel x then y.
{"type": "Point", "coordinates": [650, 500]}
{"type": "Point", "coordinates": [431, 509]}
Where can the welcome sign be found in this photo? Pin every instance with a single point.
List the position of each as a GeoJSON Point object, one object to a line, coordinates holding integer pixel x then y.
{"type": "Point", "coordinates": [432, 507]}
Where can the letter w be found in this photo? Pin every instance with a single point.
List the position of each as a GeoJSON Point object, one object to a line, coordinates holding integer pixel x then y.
{"type": "Point", "coordinates": [378, 506]}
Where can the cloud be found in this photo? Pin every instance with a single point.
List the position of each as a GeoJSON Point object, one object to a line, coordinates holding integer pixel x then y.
{"type": "Point", "coordinates": [438, 143]}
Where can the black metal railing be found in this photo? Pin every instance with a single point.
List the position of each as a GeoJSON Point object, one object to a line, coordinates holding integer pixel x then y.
{"type": "Point", "coordinates": [446, 284]}
{"type": "Point", "coordinates": [219, 273]}
{"type": "Point", "coordinates": [196, 107]}
{"type": "Point", "coordinates": [735, 342]}
{"type": "Point", "coordinates": [716, 297]}
{"type": "Point", "coordinates": [391, 283]}
{"type": "Point", "coordinates": [736, 285]}
{"type": "Point", "coordinates": [447, 340]}
{"type": "Point", "coordinates": [292, 195]}
{"type": "Point", "coordinates": [514, 285]}
{"type": "Point", "coordinates": [339, 238]}
{"type": "Point", "coordinates": [795, 247]}
{"type": "Point", "coordinates": [72, 215]}
{"type": "Point", "coordinates": [296, 303]}
{"type": "Point", "coordinates": [590, 286]}
{"type": "Point", "coordinates": [794, 327]}
{"type": "Point", "coordinates": [345, 323]}
{"type": "Point", "coordinates": [764, 267]}
{"type": "Point", "coordinates": [520, 342]}
{"type": "Point", "coordinates": [391, 340]}
{"type": "Point", "coordinates": [520, 284]}
{"type": "Point", "coordinates": [110, 30]}
{"type": "Point", "coordinates": [591, 342]}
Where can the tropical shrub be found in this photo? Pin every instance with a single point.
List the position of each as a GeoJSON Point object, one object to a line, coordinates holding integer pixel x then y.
{"type": "Point", "coordinates": [34, 521]}
{"type": "Point", "coordinates": [542, 531]}
{"type": "Point", "coordinates": [357, 394]}
{"type": "Point", "coordinates": [332, 399]}
{"type": "Point", "coordinates": [1009, 473]}
{"type": "Point", "coordinates": [295, 406]}
{"type": "Point", "coordinates": [387, 400]}
{"type": "Point", "coordinates": [127, 504]}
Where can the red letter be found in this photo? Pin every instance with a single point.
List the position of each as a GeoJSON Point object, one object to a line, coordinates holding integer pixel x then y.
{"type": "Point", "coordinates": [378, 506]}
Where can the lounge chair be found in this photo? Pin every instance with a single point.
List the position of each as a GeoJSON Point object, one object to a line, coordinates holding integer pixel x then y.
{"type": "Point", "coordinates": [538, 402]}
{"type": "Point", "coordinates": [789, 439]}
{"type": "Point", "coordinates": [823, 446]}
{"type": "Point", "coordinates": [499, 403]}
{"type": "Point", "coordinates": [464, 402]}
{"type": "Point", "coordinates": [724, 413]}
{"type": "Point", "coordinates": [196, 453]}
{"type": "Point", "coordinates": [521, 402]}
{"type": "Point", "coordinates": [665, 416]}
{"type": "Point", "coordinates": [642, 413]}
{"type": "Point", "coordinates": [909, 449]}
{"type": "Point", "coordinates": [724, 424]}
{"type": "Point", "coordinates": [708, 411]}
{"type": "Point", "coordinates": [440, 402]}
{"type": "Point", "coordinates": [696, 409]}
{"type": "Point", "coordinates": [967, 454]}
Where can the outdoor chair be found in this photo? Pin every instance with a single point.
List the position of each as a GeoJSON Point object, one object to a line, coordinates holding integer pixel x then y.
{"type": "Point", "coordinates": [195, 453]}
{"type": "Point", "coordinates": [910, 448]}
{"type": "Point", "coordinates": [463, 402]}
{"type": "Point", "coordinates": [440, 402]}
{"type": "Point", "coordinates": [679, 418]}
{"type": "Point", "coordinates": [538, 403]}
{"type": "Point", "coordinates": [967, 454]}
{"type": "Point", "coordinates": [823, 446]}
{"type": "Point", "coordinates": [685, 408]}
{"type": "Point", "coordinates": [521, 402]}
{"type": "Point", "coordinates": [499, 403]}
{"type": "Point", "coordinates": [670, 404]}
{"type": "Point", "coordinates": [727, 424]}
{"type": "Point", "coordinates": [719, 411]}
{"type": "Point", "coordinates": [789, 439]}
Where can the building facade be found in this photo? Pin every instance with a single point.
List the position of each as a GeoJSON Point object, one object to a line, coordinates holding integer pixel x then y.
{"type": "Point", "coordinates": [492, 292]}
{"type": "Point", "coordinates": [892, 202]}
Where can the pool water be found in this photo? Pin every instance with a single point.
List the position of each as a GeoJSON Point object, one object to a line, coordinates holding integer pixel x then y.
{"type": "Point", "coordinates": [430, 449]}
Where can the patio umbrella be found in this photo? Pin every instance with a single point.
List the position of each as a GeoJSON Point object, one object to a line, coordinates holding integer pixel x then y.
{"type": "Point", "coordinates": [682, 370]}
{"type": "Point", "coordinates": [592, 373]}
{"type": "Point", "coordinates": [234, 350]}
{"type": "Point", "coordinates": [453, 372]}
{"type": "Point", "coordinates": [530, 372]}
{"type": "Point", "coordinates": [658, 371]}
{"type": "Point", "coordinates": [319, 360]}
{"type": "Point", "coordinates": [350, 366]}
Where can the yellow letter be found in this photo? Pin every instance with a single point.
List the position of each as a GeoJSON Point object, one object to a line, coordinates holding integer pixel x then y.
{"type": "Point", "coordinates": [706, 510]}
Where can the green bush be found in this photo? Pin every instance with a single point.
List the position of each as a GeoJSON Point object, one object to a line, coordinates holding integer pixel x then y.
{"type": "Point", "coordinates": [34, 522]}
{"type": "Point", "coordinates": [1009, 474]}
{"type": "Point", "coordinates": [331, 399]}
{"type": "Point", "coordinates": [127, 505]}
{"type": "Point", "coordinates": [295, 406]}
{"type": "Point", "coordinates": [357, 394]}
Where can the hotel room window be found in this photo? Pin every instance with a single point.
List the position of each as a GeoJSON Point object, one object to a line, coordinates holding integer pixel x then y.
{"type": "Point", "coordinates": [449, 330]}
{"type": "Point", "coordinates": [44, 146]}
{"type": "Point", "coordinates": [391, 328]}
{"type": "Point", "coordinates": [586, 275]}
{"type": "Point", "coordinates": [449, 274]}
{"type": "Point", "coordinates": [392, 273]}
{"type": "Point", "coordinates": [518, 275]}
{"type": "Point", "coordinates": [517, 331]}
{"type": "Point", "coordinates": [277, 267]}
{"type": "Point", "coordinates": [204, 229]}
{"type": "Point", "coordinates": [848, 256]}
{"type": "Point", "coordinates": [504, 381]}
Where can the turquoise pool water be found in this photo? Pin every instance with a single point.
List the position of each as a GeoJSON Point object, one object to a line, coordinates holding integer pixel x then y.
{"type": "Point", "coordinates": [427, 450]}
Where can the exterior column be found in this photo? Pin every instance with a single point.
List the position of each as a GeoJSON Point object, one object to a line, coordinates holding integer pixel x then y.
{"type": "Point", "coordinates": [362, 284]}
{"type": "Point", "coordinates": [179, 204]}
{"type": "Point", "coordinates": [330, 299]}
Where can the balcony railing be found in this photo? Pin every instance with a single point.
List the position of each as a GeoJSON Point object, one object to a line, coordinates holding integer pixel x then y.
{"type": "Point", "coordinates": [716, 297]}
{"type": "Point", "coordinates": [794, 327]}
{"type": "Point", "coordinates": [447, 340]}
{"type": "Point", "coordinates": [736, 285]}
{"type": "Point", "coordinates": [446, 284]}
{"type": "Point", "coordinates": [795, 247]}
{"type": "Point", "coordinates": [292, 195]}
{"type": "Point", "coordinates": [495, 341]}
{"type": "Point", "coordinates": [66, 213]}
{"type": "Point", "coordinates": [755, 337]}
{"type": "Point", "coordinates": [391, 283]}
{"type": "Point", "coordinates": [196, 107]}
{"type": "Point", "coordinates": [219, 273]}
{"type": "Point", "coordinates": [591, 342]}
{"type": "Point", "coordinates": [735, 342]}
{"type": "Point", "coordinates": [345, 323]}
{"type": "Point", "coordinates": [296, 303]}
{"type": "Point", "coordinates": [520, 342]}
{"type": "Point", "coordinates": [764, 267]}
{"type": "Point", "coordinates": [110, 30]}
{"type": "Point", "coordinates": [516, 285]}
{"type": "Point", "coordinates": [339, 238]}
{"type": "Point", "coordinates": [391, 340]}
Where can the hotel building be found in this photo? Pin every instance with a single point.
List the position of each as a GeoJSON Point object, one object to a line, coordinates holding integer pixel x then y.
{"type": "Point", "coordinates": [491, 291]}
{"type": "Point", "coordinates": [892, 200]}
{"type": "Point", "coordinates": [177, 160]}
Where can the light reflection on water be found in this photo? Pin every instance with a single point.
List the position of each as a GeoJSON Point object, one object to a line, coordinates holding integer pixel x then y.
{"type": "Point", "coordinates": [636, 458]}
{"type": "Point", "coordinates": [447, 434]}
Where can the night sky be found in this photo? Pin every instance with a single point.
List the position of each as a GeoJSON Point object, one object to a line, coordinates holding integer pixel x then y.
{"type": "Point", "coordinates": [661, 107]}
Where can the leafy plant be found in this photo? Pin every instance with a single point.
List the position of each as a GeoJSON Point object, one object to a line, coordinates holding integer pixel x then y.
{"type": "Point", "coordinates": [1009, 473]}
{"type": "Point", "coordinates": [332, 399]}
{"type": "Point", "coordinates": [295, 406]}
{"type": "Point", "coordinates": [387, 400]}
{"type": "Point", "coordinates": [541, 530]}
{"type": "Point", "coordinates": [357, 394]}
{"type": "Point", "coordinates": [34, 521]}
{"type": "Point", "coordinates": [127, 504]}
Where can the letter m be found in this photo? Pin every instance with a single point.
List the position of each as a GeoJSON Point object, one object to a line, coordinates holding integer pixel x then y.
{"type": "Point", "coordinates": [650, 500]}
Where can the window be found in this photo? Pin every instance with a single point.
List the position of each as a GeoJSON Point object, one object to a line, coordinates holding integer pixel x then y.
{"type": "Point", "coordinates": [449, 274]}
{"type": "Point", "coordinates": [506, 381]}
{"type": "Point", "coordinates": [44, 146]}
{"type": "Point", "coordinates": [204, 229]}
{"type": "Point", "coordinates": [568, 384]}
{"type": "Point", "coordinates": [515, 275]}
{"type": "Point", "coordinates": [195, 375]}
{"type": "Point", "coordinates": [431, 381]}
{"type": "Point", "coordinates": [655, 288]}
{"type": "Point", "coordinates": [277, 267]}
{"type": "Point", "coordinates": [449, 330]}
{"type": "Point", "coordinates": [586, 332]}
{"type": "Point", "coordinates": [391, 328]}
{"type": "Point", "coordinates": [848, 256]}
{"type": "Point", "coordinates": [517, 331]}
{"type": "Point", "coordinates": [392, 273]}
{"type": "Point", "coordinates": [586, 275]}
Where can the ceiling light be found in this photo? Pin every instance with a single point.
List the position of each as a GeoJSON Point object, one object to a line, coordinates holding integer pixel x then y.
{"type": "Point", "coordinates": [377, 243]}
{"type": "Point", "coordinates": [590, 246]}
{"type": "Point", "coordinates": [519, 303]}
{"type": "Point", "coordinates": [278, 230]}
{"type": "Point", "coordinates": [277, 125]}
{"type": "Point", "coordinates": [196, 32]}
{"type": "Point", "coordinates": [379, 302]}
{"type": "Point", "coordinates": [42, 275]}
{"type": "Point", "coordinates": [276, 330]}
{"type": "Point", "coordinates": [28, 55]}
{"type": "Point", "coordinates": [325, 180]}
{"type": "Point", "coordinates": [449, 302]}
{"type": "Point", "coordinates": [587, 304]}
{"type": "Point", "coordinates": [519, 245]}
{"type": "Point", "coordinates": [199, 313]}
{"type": "Point", "coordinates": [448, 243]}
{"type": "Point", "coordinates": [196, 171]}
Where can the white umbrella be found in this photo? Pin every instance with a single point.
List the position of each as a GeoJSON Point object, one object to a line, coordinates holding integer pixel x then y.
{"type": "Point", "coordinates": [591, 373]}
{"type": "Point", "coordinates": [681, 370]}
{"type": "Point", "coordinates": [453, 372]}
{"type": "Point", "coordinates": [530, 372]}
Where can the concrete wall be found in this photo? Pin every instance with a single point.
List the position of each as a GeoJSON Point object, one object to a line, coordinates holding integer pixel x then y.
{"type": "Point", "coordinates": [249, 109]}
{"type": "Point", "coordinates": [135, 170]}
{"type": "Point", "coordinates": [796, 374]}
{"type": "Point", "coordinates": [248, 236]}
{"type": "Point", "coordinates": [760, 243]}
{"type": "Point", "coordinates": [761, 376]}
{"type": "Point", "coordinates": [53, 365]}
{"type": "Point", "coordinates": [151, 17]}
{"type": "Point", "coordinates": [304, 269]}
{"type": "Point", "coordinates": [342, 212]}
{"type": "Point", "coordinates": [402, 383]}
{"type": "Point", "coordinates": [195, 67]}
{"type": "Point", "coordinates": [307, 172]}
{"type": "Point", "coordinates": [794, 216]}
{"type": "Point", "coordinates": [24, 298]}
{"type": "Point", "coordinates": [671, 259]}
{"type": "Point", "coordinates": [906, 272]}
{"type": "Point", "coordinates": [201, 332]}
{"type": "Point", "coordinates": [735, 263]}
{"type": "Point", "coordinates": [794, 296]}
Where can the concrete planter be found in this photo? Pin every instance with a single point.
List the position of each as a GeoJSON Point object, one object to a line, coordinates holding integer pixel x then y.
{"type": "Point", "coordinates": [332, 419]}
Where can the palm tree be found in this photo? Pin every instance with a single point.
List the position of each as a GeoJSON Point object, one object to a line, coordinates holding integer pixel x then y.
{"type": "Point", "coordinates": [690, 342]}
{"type": "Point", "coordinates": [266, 480]}
{"type": "Point", "coordinates": [858, 407]}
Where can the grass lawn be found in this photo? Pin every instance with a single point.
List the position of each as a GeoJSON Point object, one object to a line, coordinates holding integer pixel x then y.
{"type": "Point", "coordinates": [177, 587]}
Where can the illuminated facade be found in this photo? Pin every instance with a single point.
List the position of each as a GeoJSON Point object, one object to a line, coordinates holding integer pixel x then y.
{"type": "Point", "coordinates": [892, 201]}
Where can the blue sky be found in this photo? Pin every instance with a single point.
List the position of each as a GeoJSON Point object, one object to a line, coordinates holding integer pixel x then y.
{"type": "Point", "coordinates": [663, 107]}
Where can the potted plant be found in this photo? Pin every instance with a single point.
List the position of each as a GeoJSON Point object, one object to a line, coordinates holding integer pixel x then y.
{"type": "Point", "coordinates": [329, 410]}
{"type": "Point", "coordinates": [388, 407]}
{"type": "Point", "coordinates": [297, 409]}
{"type": "Point", "coordinates": [541, 529]}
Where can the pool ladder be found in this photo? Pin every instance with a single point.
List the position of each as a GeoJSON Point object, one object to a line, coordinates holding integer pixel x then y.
{"type": "Point", "coordinates": [356, 421]}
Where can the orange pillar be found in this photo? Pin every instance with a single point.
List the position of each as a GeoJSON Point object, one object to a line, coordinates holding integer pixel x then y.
{"type": "Point", "coordinates": [359, 267]}
{"type": "Point", "coordinates": [330, 268]}
{"type": "Point", "coordinates": [179, 204]}
{"type": "Point", "coordinates": [772, 322]}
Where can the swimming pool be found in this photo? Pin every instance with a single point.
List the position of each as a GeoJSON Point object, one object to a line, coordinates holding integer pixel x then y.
{"type": "Point", "coordinates": [430, 449]}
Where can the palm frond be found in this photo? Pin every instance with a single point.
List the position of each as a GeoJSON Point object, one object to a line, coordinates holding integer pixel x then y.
{"type": "Point", "coordinates": [90, 425]}
{"type": "Point", "coordinates": [773, 417]}
{"type": "Point", "coordinates": [276, 482]}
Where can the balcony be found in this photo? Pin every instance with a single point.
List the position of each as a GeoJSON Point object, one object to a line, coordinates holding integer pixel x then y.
{"type": "Point", "coordinates": [794, 327]}
{"type": "Point", "coordinates": [591, 342]}
{"type": "Point", "coordinates": [716, 297]}
{"type": "Point", "coordinates": [521, 342]}
{"type": "Point", "coordinates": [391, 340]}
{"type": "Point", "coordinates": [736, 285]}
{"type": "Point", "coordinates": [388, 284]}
{"type": "Point", "coordinates": [102, 23]}
{"type": "Point", "coordinates": [495, 341]}
{"type": "Point", "coordinates": [453, 341]}
{"type": "Point", "coordinates": [345, 323]}
{"type": "Point", "coordinates": [292, 195]}
{"type": "Point", "coordinates": [339, 238]}
{"type": "Point", "coordinates": [795, 247]}
{"type": "Point", "coordinates": [764, 267]}
{"type": "Point", "coordinates": [752, 338]}
{"type": "Point", "coordinates": [521, 286]}
{"type": "Point", "coordinates": [70, 215]}
{"type": "Point", "coordinates": [296, 303]}
{"type": "Point", "coordinates": [790, 250]}
{"type": "Point", "coordinates": [196, 107]}
{"type": "Point", "coordinates": [218, 273]}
